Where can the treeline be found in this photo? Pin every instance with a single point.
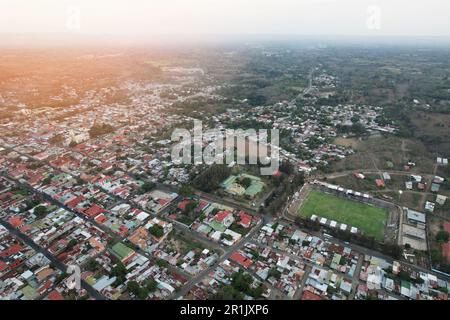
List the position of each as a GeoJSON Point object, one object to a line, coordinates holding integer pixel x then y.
{"type": "Point", "coordinates": [211, 178]}
{"type": "Point", "coordinates": [286, 185]}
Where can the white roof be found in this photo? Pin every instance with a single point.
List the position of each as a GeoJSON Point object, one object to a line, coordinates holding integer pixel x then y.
{"type": "Point", "coordinates": [354, 230]}
{"type": "Point", "coordinates": [333, 224]}
{"type": "Point", "coordinates": [27, 274]}
{"type": "Point", "coordinates": [216, 235]}
{"type": "Point", "coordinates": [142, 216]}
{"type": "Point", "coordinates": [343, 226]}
{"type": "Point", "coordinates": [323, 220]}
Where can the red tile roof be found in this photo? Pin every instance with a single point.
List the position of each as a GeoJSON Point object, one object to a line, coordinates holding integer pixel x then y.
{"type": "Point", "coordinates": [240, 259]}
{"type": "Point", "coordinates": [94, 211]}
{"type": "Point", "coordinates": [11, 250]}
{"type": "Point", "coordinates": [307, 295]}
{"type": "Point", "coordinates": [74, 202]}
{"type": "Point", "coordinates": [246, 219]}
{"type": "Point", "coordinates": [55, 295]}
{"type": "Point", "coordinates": [163, 202]}
{"type": "Point", "coordinates": [101, 218]}
{"type": "Point", "coordinates": [182, 205]}
{"type": "Point", "coordinates": [15, 221]}
{"type": "Point", "coordinates": [447, 226]}
{"type": "Point", "coordinates": [379, 182]}
{"type": "Point", "coordinates": [446, 251]}
{"type": "Point", "coordinates": [221, 215]}
{"type": "Point", "coordinates": [3, 266]}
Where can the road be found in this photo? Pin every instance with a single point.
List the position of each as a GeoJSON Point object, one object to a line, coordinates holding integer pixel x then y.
{"type": "Point", "coordinates": [228, 252]}
{"type": "Point", "coordinates": [58, 264]}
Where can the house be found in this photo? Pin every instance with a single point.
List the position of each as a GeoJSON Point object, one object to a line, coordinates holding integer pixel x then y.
{"type": "Point", "coordinates": [308, 295]}
{"type": "Point", "coordinates": [374, 277]}
{"type": "Point", "coordinates": [241, 260]}
{"type": "Point", "coordinates": [429, 206]}
{"type": "Point", "coordinates": [225, 218]}
{"type": "Point", "coordinates": [94, 211]}
{"type": "Point", "coordinates": [435, 187]}
{"type": "Point", "coordinates": [380, 183]}
{"type": "Point", "coordinates": [408, 185]}
{"type": "Point", "coordinates": [16, 222]}
{"type": "Point", "coordinates": [245, 219]}
{"type": "Point", "coordinates": [358, 175]}
{"type": "Point", "coordinates": [55, 296]}
{"type": "Point", "coordinates": [414, 217]}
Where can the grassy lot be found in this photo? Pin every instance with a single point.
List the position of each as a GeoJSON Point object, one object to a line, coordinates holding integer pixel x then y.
{"type": "Point", "coordinates": [369, 219]}
{"type": "Point", "coordinates": [383, 149]}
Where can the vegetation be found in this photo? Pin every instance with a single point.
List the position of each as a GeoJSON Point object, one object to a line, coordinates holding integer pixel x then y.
{"type": "Point", "coordinates": [241, 284]}
{"type": "Point", "coordinates": [147, 186]}
{"type": "Point", "coordinates": [40, 211]}
{"type": "Point", "coordinates": [211, 178]}
{"type": "Point", "coordinates": [157, 231]}
{"type": "Point", "coordinates": [140, 292]}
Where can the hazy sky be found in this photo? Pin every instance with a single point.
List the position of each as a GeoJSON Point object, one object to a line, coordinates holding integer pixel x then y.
{"type": "Point", "coordinates": [194, 17]}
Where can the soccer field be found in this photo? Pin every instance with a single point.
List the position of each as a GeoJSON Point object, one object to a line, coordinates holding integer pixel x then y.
{"type": "Point", "coordinates": [370, 219]}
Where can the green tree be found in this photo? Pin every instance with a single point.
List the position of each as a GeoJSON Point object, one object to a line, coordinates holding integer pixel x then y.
{"type": "Point", "coordinates": [185, 190]}
{"type": "Point", "coordinates": [442, 236]}
{"type": "Point", "coordinates": [40, 211]}
{"type": "Point", "coordinates": [157, 231]}
{"type": "Point", "coordinates": [151, 284]}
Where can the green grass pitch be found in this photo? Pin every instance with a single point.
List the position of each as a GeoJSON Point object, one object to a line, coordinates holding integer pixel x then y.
{"type": "Point", "coordinates": [370, 219]}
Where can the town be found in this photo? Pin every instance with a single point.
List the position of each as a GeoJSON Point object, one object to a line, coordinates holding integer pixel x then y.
{"type": "Point", "coordinates": [93, 185]}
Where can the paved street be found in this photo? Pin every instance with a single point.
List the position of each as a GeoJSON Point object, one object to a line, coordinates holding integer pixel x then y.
{"type": "Point", "coordinates": [59, 265]}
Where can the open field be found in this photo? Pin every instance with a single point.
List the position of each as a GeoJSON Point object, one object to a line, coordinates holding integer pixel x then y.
{"type": "Point", "coordinates": [371, 220]}
{"type": "Point", "coordinates": [385, 153]}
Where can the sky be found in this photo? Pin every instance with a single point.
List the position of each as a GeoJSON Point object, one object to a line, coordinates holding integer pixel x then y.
{"type": "Point", "coordinates": [240, 17]}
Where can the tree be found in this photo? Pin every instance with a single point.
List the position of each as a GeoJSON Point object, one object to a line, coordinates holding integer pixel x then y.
{"type": "Point", "coordinates": [241, 281]}
{"type": "Point", "coordinates": [228, 293]}
{"type": "Point", "coordinates": [189, 210]}
{"type": "Point", "coordinates": [442, 236]}
{"type": "Point", "coordinates": [275, 273]}
{"type": "Point", "coordinates": [137, 290]}
{"type": "Point", "coordinates": [210, 179]}
{"type": "Point", "coordinates": [72, 243]}
{"type": "Point", "coordinates": [226, 236]}
{"type": "Point", "coordinates": [185, 190]}
{"type": "Point", "coordinates": [120, 272]}
{"type": "Point", "coordinates": [92, 265]}
{"type": "Point", "coordinates": [46, 181]}
{"type": "Point", "coordinates": [40, 211]}
{"type": "Point", "coordinates": [246, 182]}
{"type": "Point", "coordinates": [151, 284]}
{"type": "Point", "coordinates": [157, 231]}
{"type": "Point", "coordinates": [286, 167]}
{"type": "Point", "coordinates": [147, 186]}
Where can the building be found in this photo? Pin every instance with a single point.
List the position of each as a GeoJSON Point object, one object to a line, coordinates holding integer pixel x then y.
{"type": "Point", "coordinates": [415, 217]}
